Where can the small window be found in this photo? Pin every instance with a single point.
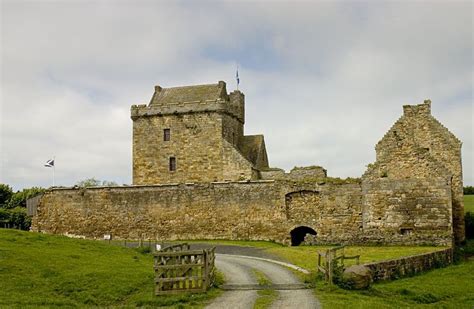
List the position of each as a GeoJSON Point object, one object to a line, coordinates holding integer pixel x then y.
{"type": "Point", "coordinates": [166, 135]}
{"type": "Point", "coordinates": [172, 164]}
{"type": "Point", "coordinates": [406, 231]}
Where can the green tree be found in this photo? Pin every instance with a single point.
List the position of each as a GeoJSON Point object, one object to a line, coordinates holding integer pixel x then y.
{"type": "Point", "coordinates": [92, 182]}
{"type": "Point", "coordinates": [19, 198]}
{"type": "Point", "coordinates": [6, 193]}
{"type": "Point", "coordinates": [468, 190]}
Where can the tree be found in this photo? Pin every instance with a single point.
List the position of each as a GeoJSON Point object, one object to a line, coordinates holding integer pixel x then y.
{"type": "Point", "coordinates": [18, 199]}
{"type": "Point", "coordinates": [92, 182]}
{"type": "Point", "coordinates": [6, 193]}
{"type": "Point", "coordinates": [468, 190]}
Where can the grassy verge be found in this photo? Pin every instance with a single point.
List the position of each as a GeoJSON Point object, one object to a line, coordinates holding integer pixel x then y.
{"type": "Point", "coordinates": [305, 256]}
{"type": "Point", "coordinates": [449, 287]}
{"type": "Point", "coordinates": [469, 203]}
{"type": "Point", "coordinates": [39, 270]}
{"type": "Point", "coordinates": [266, 296]}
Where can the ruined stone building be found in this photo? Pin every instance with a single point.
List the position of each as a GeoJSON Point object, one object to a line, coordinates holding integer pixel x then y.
{"type": "Point", "coordinates": [196, 175]}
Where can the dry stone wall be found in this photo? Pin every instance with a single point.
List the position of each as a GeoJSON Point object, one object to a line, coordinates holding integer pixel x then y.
{"type": "Point", "coordinates": [409, 266]}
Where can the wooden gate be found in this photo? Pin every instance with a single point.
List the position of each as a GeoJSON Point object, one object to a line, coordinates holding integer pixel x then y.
{"type": "Point", "coordinates": [332, 260]}
{"type": "Point", "coordinates": [179, 269]}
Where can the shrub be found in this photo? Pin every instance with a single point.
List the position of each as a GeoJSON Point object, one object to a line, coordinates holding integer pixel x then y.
{"type": "Point", "coordinates": [468, 190]}
{"type": "Point", "coordinates": [19, 198]}
{"type": "Point", "coordinates": [19, 218]}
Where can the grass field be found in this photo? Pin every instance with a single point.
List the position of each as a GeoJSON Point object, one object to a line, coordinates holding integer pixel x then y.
{"type": "Point", "coordinates": [47, 271]}
{"type": "Point", "coordinates": [39, 270]}
{"type": "Point", "coordinates": [469, 203]}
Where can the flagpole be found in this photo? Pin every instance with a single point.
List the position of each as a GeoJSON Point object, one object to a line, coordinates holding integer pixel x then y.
{"type": "Point", "coordinates": [54, 172]}
{"type": "Point", "coordinates": [237, 76]}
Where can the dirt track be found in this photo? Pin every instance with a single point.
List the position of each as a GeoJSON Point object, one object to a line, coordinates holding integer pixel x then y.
{"type": "Point", "coordinates": [242, 286]}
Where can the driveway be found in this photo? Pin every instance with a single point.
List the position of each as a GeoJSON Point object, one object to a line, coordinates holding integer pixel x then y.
{"type": "Point", "coordinates": [241, 285]}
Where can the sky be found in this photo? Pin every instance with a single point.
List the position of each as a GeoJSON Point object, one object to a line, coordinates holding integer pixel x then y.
{"type": "Point", "coordinates": [323, 81]}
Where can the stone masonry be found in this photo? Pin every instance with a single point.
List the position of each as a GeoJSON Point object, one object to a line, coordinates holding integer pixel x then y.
{"type": "Point", "coordinates": [197, 176]}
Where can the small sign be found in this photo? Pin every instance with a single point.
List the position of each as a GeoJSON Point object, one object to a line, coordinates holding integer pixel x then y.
{"type": "Point", "coordinates": [107, 237]}
{"type": "Point", "coordinates": [158, 247]}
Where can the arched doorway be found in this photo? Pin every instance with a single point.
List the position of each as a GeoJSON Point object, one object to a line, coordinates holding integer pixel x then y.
{"type": "Point", "coordinates": [299, 233]}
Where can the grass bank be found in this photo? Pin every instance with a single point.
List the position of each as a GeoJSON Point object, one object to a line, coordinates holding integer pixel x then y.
{"type": "Point", "coordinates": [450, 287]}
{"type": "Point", "coordinates": [38, 270]}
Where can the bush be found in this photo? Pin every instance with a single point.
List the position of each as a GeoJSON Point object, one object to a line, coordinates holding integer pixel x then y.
{"type": "Point", "coordinates": [469, 223]}
{"type": "Point", "coordinates": [19, 198]}
{"type": "Point", "coordinates": [468, 190]}
{"type": "Point", "coordinates": [19, 218]}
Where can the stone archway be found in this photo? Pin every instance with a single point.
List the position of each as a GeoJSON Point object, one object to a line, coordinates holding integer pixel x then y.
{"type": "Point", "coordinates": [299, 233]}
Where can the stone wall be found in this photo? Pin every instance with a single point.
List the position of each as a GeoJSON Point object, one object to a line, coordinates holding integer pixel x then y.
{"type": "Point", "coordinates": [311, 173]}
{"type": "Point", "coordinates": [414, 210]}
{"type": "Point", "coordinates": [256, 210]}
{"type": "Point", "coordinates": [419, 146]}
{"type": "Point", "coordinates": [411, 265]}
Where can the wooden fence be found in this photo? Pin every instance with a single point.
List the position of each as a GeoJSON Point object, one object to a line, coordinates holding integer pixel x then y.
{"type": "Point", "coordinates": [332, 260]}
{"type": "Point", "coordinates": [179, 269]}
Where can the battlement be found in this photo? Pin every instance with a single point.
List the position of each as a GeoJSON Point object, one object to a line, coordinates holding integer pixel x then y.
{"type": "Point", "coordinates": [193, 99]}
{"type": "Point", "coordinates": [415, 110]}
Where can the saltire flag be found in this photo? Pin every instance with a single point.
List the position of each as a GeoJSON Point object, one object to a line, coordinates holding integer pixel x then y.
{"type": "Point", "coordinates": [49, 163]}
{"type": "Point", "coordinates": [237, 76]}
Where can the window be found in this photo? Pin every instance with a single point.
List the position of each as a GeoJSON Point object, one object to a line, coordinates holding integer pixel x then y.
{"type": "Point", "coordinates": [166, 135]}
{"type": "Point", "coordinates": [172, 164]}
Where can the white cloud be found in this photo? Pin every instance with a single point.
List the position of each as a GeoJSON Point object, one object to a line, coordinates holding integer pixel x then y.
{"type": "Point", "coordinates": [323, 81]}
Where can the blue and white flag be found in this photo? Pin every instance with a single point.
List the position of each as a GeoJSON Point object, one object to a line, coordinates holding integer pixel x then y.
{"type": "Point", "coordinates": [237, 76]}
{"type": "Point", "coordinates": [49, 163]}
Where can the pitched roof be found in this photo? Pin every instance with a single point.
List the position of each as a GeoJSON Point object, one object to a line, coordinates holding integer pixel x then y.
{"type": "Point", "coordinates": [253, 148]}
{"type": "Point", "coordinates": [196, 93]}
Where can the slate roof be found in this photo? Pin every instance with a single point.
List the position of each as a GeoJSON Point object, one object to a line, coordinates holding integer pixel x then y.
{"type": "Point", "coordinates": [252, 147]}
{"type": "Point", "coordinates": [196, 93]}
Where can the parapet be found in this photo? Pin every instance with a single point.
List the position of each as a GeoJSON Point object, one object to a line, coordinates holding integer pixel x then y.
{"type": "Point", "coordinates": [296, 174]}
{"type": "Point", "coordinates": [192, 99]}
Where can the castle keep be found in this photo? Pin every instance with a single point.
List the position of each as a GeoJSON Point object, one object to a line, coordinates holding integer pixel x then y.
{"type": "Point", "coordinates": [196, 175]}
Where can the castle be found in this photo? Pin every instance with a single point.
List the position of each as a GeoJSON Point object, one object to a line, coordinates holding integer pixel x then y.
{"type": "Point", "coordinates": [197, 176]}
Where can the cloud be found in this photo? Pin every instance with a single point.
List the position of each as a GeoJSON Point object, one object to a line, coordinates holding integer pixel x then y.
{"type": "Point", "coordinates": [323, 80]}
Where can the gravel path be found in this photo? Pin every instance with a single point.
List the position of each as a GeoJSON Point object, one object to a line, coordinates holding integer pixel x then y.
{"type": "Point", "coordinates": [243, 286]}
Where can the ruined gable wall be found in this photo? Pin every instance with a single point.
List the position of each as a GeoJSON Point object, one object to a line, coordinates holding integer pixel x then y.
{"type": "Point", "coordinates": [407, 191]}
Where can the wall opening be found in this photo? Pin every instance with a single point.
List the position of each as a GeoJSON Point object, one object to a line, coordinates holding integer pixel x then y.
{"type": "Point", "coordinates": [298, 234]}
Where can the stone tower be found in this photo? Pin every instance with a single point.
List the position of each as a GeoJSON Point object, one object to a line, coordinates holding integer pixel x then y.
{"type": "Point", "coordinates": [194, 134]}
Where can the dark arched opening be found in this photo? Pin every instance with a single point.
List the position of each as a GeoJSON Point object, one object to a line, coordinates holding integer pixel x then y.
{"type": "Point", "coordinates": [298, 234]}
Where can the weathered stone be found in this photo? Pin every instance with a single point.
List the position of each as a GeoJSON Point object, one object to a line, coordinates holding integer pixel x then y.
{"type": "Point", "coordinates": [220, 186]}
{"type": "Point", "coordinates": [356, 277]}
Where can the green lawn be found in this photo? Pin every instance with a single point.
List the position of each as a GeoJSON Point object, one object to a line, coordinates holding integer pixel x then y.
{"type": "Point", "coordinates": [469, 203]}
{"type": "Point", "coordinates": [39, 270]}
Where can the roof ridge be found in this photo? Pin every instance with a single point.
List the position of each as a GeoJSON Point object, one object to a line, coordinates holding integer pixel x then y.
{"type": "Point", "coordinates": [191, 86]}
